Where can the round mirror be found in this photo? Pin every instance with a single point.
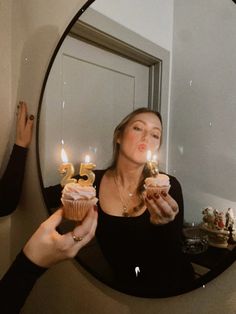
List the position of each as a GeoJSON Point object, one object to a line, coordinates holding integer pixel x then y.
{"type": "Point", "coordinates": [106, 66]}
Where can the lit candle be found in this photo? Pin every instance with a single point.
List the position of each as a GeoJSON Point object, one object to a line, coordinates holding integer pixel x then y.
{"type": "Point", "coordinates": [152, 163]}
{"type": "Point", "coordinates": [66, 168]}
{"type": "Point", "coordinates": [86, 170]}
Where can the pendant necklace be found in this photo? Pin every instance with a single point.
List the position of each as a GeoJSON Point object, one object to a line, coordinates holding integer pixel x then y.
{"type": "Point", "coordinates": [125, 204]}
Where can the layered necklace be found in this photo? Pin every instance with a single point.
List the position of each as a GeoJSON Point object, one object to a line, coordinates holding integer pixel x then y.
{"type": "Point", "coordinates": [126, 198]}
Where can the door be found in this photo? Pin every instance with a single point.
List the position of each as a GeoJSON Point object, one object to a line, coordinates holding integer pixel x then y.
{"type": "Point", "coordinates": [88, 92]}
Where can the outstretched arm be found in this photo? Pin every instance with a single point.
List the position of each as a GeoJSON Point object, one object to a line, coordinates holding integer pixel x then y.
{"type": "Point", "coordinates": [12, 179]}
{"type": "Point", "coordinates": [45, 248]}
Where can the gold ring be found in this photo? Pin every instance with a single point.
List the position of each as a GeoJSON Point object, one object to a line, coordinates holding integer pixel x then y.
{"type": "Point", "coordinates": [76, 239]}
{"type": "Point", "coordinates": [175, 209]}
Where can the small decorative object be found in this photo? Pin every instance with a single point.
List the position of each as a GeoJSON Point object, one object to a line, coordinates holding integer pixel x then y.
{"type": "Point", "coordinates": [219, 225]}
{"type": "Point", "coordinates": [195, 239]}
{"type": "Point", "coordinates": [77, 197]}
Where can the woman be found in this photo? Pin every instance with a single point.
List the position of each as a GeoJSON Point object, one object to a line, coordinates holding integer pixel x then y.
{"type": "Point", "coordinates": [145, 255]}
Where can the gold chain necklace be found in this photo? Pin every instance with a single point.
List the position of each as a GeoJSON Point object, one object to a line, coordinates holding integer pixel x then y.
{"type": "Point", "coordinates": [125, 204]}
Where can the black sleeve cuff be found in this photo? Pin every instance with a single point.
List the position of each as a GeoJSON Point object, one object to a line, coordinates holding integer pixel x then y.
{"type": "Point", "coordinates": [17, 283]}
{"type": "Point", "coordinates": [12, 180]}
{"type": "Point", "coordinates": [24, 264]}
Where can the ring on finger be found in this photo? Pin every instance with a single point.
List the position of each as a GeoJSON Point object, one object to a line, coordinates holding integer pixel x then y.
{"type": "Point", "coordinates": [76, 238]}
{"type": "Point", "coordinates": [175, 209]}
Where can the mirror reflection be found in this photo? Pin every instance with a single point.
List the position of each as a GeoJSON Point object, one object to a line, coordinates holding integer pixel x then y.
{"type": "Point", "coordinates": [144, 235]}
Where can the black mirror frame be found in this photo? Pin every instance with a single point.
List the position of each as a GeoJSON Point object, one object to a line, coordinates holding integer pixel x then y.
{"type": "Point", "coordinates": [201, 282]}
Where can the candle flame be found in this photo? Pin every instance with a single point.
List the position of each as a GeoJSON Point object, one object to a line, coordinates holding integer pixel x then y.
{"type": "Point", "coordinates": [149, 155]}
{"type": "Point", "coordinates": [87, 159]}
{"type": "Point", "coordinates": [64, 157]}
{"type": "Point", "coordinates": [155, 157]}
{"type": "Point", "coordinates": [152, 157]}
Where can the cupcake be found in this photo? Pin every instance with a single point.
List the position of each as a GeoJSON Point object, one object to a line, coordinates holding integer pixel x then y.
{"type": "Point", "coordinates": [158, 184]}
{"type": "Point", "coordinates": [77, 200]}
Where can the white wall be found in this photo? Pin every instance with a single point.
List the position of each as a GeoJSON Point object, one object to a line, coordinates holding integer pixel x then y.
{"type": "Point", "coordinates": [203, 104]}
{"type": "Point", "coordinates": [5, 78]}
{"type": "Point", "coordinates": [6, 113]}
{"type": "Point", "coordinates": [152, 19]}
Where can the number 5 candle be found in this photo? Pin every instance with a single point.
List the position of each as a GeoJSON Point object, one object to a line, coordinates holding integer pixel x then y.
{"type": "Point", "coordinates": [86, 170]}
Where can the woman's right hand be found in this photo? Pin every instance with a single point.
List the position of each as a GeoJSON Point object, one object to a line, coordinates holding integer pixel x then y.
{"type": "Point", "coordinates": [47, 247]}
{"type": "Point", "coordinates": [162, 207]}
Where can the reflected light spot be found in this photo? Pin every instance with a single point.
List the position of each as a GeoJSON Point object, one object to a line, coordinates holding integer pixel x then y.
{"type": "Point", "coordinates": [181, 150]}
{"type": "Point", "coordinates": [137, 271]}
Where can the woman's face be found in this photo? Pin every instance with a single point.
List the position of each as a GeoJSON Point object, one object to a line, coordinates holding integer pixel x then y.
{"type": "Point", "coordinates": [142, 133]}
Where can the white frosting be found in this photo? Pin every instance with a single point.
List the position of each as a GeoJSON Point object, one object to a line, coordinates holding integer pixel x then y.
{"type": "Point", "coordinates": [159, 180]}
{"type": "Point", "coordinates": [74, 191]}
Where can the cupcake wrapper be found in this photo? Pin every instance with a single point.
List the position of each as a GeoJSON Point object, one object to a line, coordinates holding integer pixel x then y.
{"type": "Point", "coordinates": [77, 210]}
{"type": "Point", "coordinates": [151, 190]}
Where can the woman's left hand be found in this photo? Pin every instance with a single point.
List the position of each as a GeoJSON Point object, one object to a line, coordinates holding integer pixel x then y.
{"type": "Point", "coordinates": [162, 207]}
{"type": "Point", "coordinates": [24, 126]}
{"type": "Point", "coordinates": [47, 247]}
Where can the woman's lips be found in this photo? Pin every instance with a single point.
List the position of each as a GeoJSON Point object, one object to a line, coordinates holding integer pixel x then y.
{"type": "Point", "coordinates": [142, 147]}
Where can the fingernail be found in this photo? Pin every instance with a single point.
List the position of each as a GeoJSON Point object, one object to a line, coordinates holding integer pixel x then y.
{"type": "Point", "coordinates": [31, 117]}
{"type": "Point", "coordinates": [164, 193]}
{"type": "Point", "coordinates": [157, 195]}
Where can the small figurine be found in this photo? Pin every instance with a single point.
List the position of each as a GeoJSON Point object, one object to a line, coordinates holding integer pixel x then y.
{"type": "Point", "coordinates": [229, 219]}
{"type": "Point", "coordinates": [219, 226]}
{"type": "Point", "coordinates": [208, 217]}
{"type": "Point", "coordinates": [231, 238]}
{"type": "Point", "coordinates": [219, 220]}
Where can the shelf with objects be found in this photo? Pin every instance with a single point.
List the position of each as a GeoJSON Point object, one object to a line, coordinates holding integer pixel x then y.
{"type": "Point", "coordinates": [210, 244]}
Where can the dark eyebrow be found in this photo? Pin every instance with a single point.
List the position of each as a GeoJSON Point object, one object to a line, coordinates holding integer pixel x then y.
{"type": "Point", "coordinates": [143, 122]}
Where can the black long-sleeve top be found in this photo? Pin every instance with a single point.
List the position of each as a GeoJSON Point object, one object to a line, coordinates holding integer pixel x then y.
{"type": "Point", "coordinates": [17, 283]}
{"type": "Point", "coordinates": [12, 180]}
{"type": "Point", "coordinates": [147, 259]}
